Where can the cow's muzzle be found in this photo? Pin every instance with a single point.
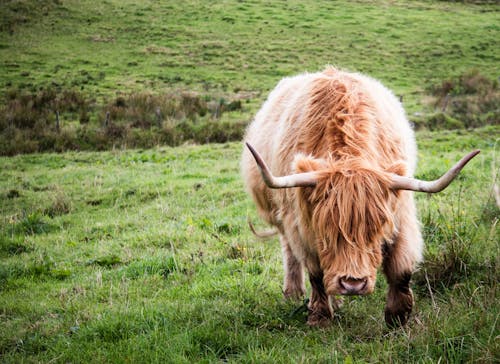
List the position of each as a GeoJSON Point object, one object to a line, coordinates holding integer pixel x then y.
{"type": "Point", "coordinates": [353, 286]}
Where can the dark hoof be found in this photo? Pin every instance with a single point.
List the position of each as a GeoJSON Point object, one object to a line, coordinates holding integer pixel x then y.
{"type": "Point", "coordinates": [322, 318]}
{"type": "Point", "coordinates": [396, 319]}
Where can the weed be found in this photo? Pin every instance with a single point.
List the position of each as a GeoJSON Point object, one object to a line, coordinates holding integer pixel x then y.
{"type": "Point", "coordinates": [13, 245]}
{"type": "Point", "coordinates": [33, 223]}
{"type": "Point", "coordinates": [162, 266]}
{"type": "Point", "coordinates": [106, 261]}
{"type": "Point", "coordinates": [60, 204]}
{"type": "Point", "coordinates": [236, 251]}
{"type": "Point", "coordinates": [13, 193]}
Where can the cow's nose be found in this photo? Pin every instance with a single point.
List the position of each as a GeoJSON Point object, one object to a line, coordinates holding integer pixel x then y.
{"type": "Point", "coordinates": [352, 286]}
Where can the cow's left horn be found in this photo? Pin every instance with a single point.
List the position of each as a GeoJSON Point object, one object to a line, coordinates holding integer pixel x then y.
{"type": "Point", "coordinates": [413, 184]}
{"type": "Point", "coordinates": [307, 179]}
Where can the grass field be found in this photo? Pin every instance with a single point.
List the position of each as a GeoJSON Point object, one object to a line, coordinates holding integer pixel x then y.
{"type": "Point", "coordinates": [163, 73]}
{"type": "Point", "coordinates": [144, 255]}
{"type": "Point", "coordinates": [227, 47]}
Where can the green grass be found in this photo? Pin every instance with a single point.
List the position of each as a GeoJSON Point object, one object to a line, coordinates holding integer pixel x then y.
{"type": "Point", "coordinates": [113, 46]}
{"type": "Point", "coordinates": [146, 257]}
{"type": "Point", "coordinates": [196, 71]}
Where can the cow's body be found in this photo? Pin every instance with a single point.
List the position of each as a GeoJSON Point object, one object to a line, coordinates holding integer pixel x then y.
{"type": "Point", "coordinates": [355, 130]}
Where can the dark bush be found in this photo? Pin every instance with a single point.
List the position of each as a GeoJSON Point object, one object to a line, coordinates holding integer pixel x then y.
{"type": "Point", "coordinates": [471, 99]}
{"type": "Point", "coordinates": [192, 105]}
{"type": "Point", "coordinates": [142, 120]}
{"type": "Point", "coordinates": [115, 132]}
{"type": "Point", "coordinates": [84, 117]}
{"type": "Point", "coordinates": [441, 120]}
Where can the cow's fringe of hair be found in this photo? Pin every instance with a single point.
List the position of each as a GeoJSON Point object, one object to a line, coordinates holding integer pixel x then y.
{"type": "Point", "coordinates": [356, 200]}
{"type": "Point", "coordinates": [352, 200]}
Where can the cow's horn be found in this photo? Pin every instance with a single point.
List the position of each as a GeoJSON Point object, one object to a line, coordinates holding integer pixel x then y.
{"type": "Point", "coordinates": [413, 184]}
{"type": "Point", "coordinates": [307, 179]}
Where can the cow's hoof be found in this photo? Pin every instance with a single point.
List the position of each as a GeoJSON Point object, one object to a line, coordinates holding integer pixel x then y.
{"type": "Point", "coordinates": [395, 319]}
{"type": "Point", "coordinates": [319, 318]}
{"type": "Point", "coordinates": [398, 308]}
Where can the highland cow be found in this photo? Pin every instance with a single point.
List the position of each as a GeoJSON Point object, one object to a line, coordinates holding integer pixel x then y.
{"type": "Point", "coordinates": [342, 203]}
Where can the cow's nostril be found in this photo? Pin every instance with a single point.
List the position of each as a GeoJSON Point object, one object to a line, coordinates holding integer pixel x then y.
{"type": "Point", "coordinates": [353, 285]}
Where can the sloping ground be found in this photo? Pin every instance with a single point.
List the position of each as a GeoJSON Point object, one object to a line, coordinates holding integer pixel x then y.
{"type": "Point", "coordinates": [120, 46]}
{"type": "Point", "coordinates": [145, 256]}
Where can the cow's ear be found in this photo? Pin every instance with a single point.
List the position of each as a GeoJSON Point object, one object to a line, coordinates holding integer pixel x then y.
{"type": "Point", "coordinates": [303, 163]}
{"type": "Point", "coordinates": [398, 168]}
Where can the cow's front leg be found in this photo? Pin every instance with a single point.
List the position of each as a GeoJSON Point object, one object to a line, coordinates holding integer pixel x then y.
{"type": "Point", "coordinates": [320, 311]}
{"type": "Point", "coordinates": [399, 300]}
{"type": "Point", "coordinates": [400, 259]}
{"type": "Point", "coordinates": [293, 285]}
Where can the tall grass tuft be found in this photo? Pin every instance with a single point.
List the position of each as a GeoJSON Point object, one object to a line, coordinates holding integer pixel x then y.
{"type": "Point", "coordinates": [450, 257]}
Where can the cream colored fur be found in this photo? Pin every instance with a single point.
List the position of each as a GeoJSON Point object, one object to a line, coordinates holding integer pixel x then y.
{"type": "Point", "coordinates": [293, 132]}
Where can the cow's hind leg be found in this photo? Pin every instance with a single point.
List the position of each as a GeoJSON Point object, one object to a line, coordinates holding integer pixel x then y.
{"type": "Point", "coordinates": [400, 258]}
{"type": "Point", "coordinates": [320, 311]}
{"type": "Point", "coordinates": [293, 285]}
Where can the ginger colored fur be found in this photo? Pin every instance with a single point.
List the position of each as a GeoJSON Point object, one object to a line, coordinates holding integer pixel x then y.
{"type": "Point", "coordinates": [354, 132]}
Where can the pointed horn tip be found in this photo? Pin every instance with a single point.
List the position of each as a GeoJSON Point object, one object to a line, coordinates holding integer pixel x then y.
{"type": "Point", "coordinates": [252, 150]}
{"type": "Point", "coordinates": [469, 156]}
{"type": "Point", "coordinates": [474, 153]}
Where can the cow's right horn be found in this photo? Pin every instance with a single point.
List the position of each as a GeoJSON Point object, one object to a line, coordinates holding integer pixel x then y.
{"type": "Point", "coordinates": [307, 179]}
{"type": "Point", "coordinates": [413, 184]}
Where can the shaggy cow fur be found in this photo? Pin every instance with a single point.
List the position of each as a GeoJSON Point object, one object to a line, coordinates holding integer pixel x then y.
{"type": "Point", "coordinates": [354, 132]}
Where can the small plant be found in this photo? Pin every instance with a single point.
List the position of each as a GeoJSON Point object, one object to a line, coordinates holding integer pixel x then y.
{"type": "Point", "coordinates": [162, 266]}
{"type": "Point", "coordinates": [106, 261]}
{"type": "Point", "coordinates": [33, 223]}
{"type": "Point", "coordinates": [237, 251]}
{"type": "Point", "coordinates": [60, 204]}
{"type": "Point", "coordinates": [13, 245]}
{"type": "Point", "coordinates": [13, 193]}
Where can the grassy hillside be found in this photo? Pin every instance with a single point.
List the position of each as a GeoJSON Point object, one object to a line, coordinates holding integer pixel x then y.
{"type": "Point", "coordinates": [55, 51]}
{"type": "Point", "coordinates": [145, 256]}
{"type": "Point", "coordinates": [111, 46]}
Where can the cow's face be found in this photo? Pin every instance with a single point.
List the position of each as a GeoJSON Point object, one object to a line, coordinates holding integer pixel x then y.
{"type": "Point", "coordinates": [350, 270]}
{"type": "Point", "coordinates": [352, 215]}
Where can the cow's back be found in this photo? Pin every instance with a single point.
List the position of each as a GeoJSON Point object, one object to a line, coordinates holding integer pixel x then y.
{"type": "Point", "coordinates": [282, 113]}
{"type": "Point", "coordinates": [288, 124]}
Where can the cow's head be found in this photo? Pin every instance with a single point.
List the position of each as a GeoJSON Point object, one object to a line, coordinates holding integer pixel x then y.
{"type": "Point", "coordinates": [350, 208]}
{"type": "Point", "coordinates": [350, 211]}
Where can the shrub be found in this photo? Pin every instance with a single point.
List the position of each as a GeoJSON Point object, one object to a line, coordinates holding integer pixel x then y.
{"type": "Point", "coordinates": [33, 223]}
{"type": "Point", "coordinates": [60, 204]}
{"type": "Point", "coordinates": [140, 120]}
{"type": "Point", "coordinates": [443, 121]}
{"type": "Point", "coordinates": [25, 110]}
{"type": "Point", "coordinates": [472, 99]}
{"type": "Point", "coordinates": [12, 245]}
